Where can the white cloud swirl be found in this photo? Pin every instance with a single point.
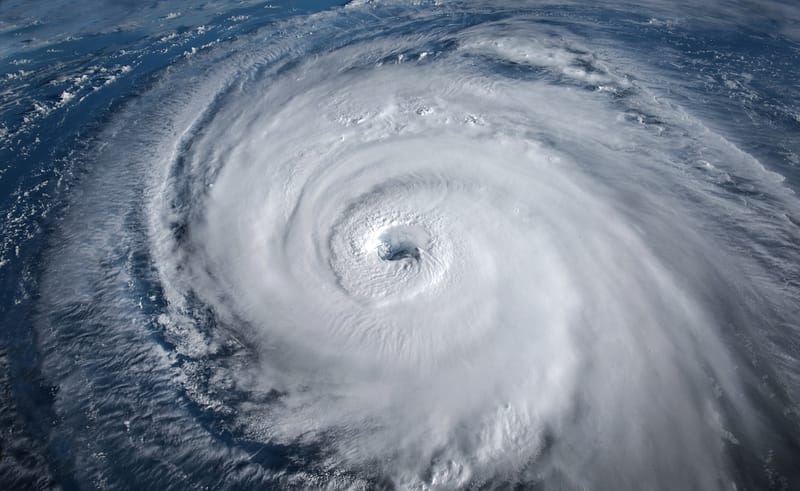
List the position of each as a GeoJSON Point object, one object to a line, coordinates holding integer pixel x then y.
{"type": "Point", "coordinates": [491, 254]}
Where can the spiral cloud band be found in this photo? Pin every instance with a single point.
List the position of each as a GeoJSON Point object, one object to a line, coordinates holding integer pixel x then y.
{"type": "Point", "coordinates": [395, 246]}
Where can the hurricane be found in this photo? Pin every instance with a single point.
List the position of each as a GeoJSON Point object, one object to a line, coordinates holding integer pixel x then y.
{"type": "Point", "coordinates": [400, 245]}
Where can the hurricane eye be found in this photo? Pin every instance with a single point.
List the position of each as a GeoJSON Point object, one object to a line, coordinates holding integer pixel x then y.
{"type": "Point", "coordinates": [397, 244]}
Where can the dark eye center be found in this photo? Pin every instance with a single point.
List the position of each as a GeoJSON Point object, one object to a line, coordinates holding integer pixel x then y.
{"type": "Point", "coordinates": [396, 244]}
{"type": "Point", "coordinates": [396, 252]}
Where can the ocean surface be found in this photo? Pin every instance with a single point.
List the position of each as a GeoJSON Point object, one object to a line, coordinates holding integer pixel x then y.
{"type": "Point", "coordinates": [399, 245]}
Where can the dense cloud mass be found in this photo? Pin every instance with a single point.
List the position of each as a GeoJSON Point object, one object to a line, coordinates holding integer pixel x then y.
{"type": "Point", "coordinates": [419, 246]}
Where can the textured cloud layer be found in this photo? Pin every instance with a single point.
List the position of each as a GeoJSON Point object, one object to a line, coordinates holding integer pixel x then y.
{"type": "Point", "coordinates": [441, 254]}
